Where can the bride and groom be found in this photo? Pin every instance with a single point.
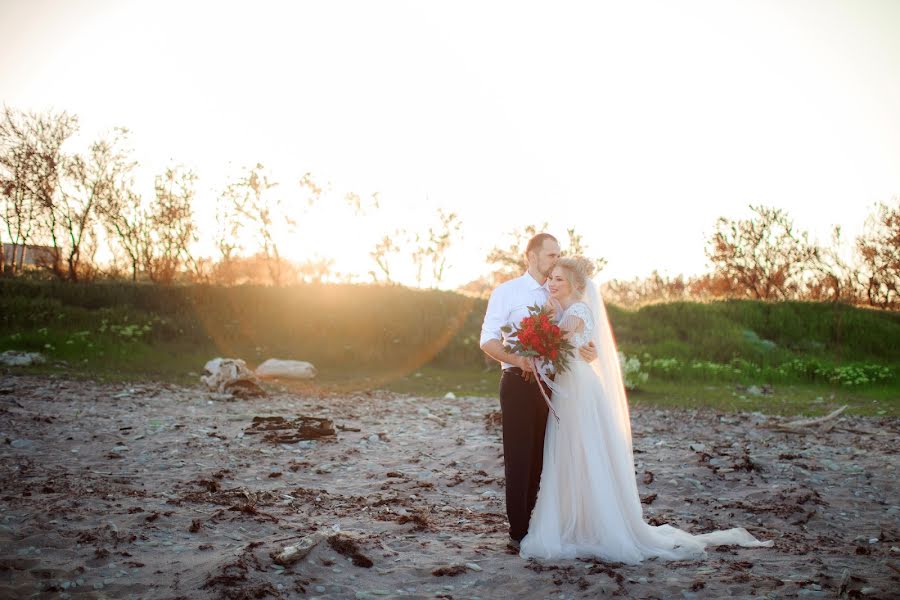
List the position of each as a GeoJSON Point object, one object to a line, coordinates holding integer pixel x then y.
{"type": "Point", "coordinates": [570, 483]}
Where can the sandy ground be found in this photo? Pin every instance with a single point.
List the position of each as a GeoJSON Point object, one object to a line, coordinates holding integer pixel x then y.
{"type": "Point", "coordinates": [157, 491]}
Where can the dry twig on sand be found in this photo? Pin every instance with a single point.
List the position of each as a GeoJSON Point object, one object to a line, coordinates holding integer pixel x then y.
{"type": "Point", "coordinates": [817, 424]}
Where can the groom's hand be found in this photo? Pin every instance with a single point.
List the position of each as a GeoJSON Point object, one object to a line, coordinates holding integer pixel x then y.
{"type": "Point", "coordinates": [588, 352]}
{"type": "Point", "coordinates": [524, 363]}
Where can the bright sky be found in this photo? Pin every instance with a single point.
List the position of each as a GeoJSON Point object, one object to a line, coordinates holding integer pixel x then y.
{"type": "Point", "coordinates": [638, 123]}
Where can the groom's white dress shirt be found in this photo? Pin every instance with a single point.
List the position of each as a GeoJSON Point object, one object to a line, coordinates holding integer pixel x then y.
{"type": "Point", "coordinates": [508, 305]}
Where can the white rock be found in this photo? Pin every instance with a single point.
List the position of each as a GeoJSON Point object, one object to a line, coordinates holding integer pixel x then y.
{"type": "Point", "coordinates": [14, 358]}
{"type": "Point", "coordinates": [473, 567]}
{"type": "Point", "coordinates": [449, 396]}
{"type": "Point", "coordinates": [286, 369]}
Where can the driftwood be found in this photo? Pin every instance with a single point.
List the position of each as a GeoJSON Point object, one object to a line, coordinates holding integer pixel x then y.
{"type": "Point", "coordinates": [816, 424]}
{"type": "Point", "coordinates": [845, 581]}
{"type": "Point", "coordinates": [297, 552]}
{"type": "Point", "coordinates": [343, 543]}
{"type": "Point", "coordinates": [231, 376]}
{"type": "Point", "coordinates": [279, 430]}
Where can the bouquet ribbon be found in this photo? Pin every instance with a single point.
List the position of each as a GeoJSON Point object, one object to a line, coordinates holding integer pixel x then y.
{"type": "Point", "coordinates": [545, 381]}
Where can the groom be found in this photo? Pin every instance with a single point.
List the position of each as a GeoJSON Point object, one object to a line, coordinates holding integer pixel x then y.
{"type": "Point", "coordinates": [524, 410]}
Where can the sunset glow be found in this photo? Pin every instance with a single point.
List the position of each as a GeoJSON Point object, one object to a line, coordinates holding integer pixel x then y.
{"type": "Point", "coordinates": [637, 123]}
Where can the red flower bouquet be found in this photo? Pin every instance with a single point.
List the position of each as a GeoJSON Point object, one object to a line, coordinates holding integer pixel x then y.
{"type": "Point", "coordinates": [538, 337]}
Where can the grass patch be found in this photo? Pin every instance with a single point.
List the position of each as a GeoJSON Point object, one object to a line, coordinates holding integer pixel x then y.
{"type": "Point", "coordinates": [427, 381]}
{"type": "Point", "coordinates": [426, 341]}
{"type": "Point", "coordinates": [788, 399]}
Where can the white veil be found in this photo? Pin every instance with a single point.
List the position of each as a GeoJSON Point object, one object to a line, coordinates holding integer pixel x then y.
{"type": "Point", "coordinates": [588, 504]}
{"type": "Point", "coordinates": [607, 365]}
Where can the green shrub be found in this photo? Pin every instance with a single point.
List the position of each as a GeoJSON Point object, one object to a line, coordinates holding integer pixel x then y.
{"type": "Point", "coordinates": [372, 327]}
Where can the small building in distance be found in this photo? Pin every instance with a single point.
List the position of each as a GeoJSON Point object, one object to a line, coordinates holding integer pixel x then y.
{"type": "Point", "coordinates": [29, 255]}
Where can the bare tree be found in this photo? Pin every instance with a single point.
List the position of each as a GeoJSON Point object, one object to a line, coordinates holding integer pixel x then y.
{"type": "Point", "coordinates": [249, 208]}
{"type": "Point", "coordinates": [229, 226]}
{"type": "Point", "coordinates": [92, 185]}
{"type": "Point", "coordinates": [18, 207]}
{"type": "Point", "coordinates": [167, 245]}
{"type": "Point", "coordinates": [128, 222]}
{"type": "Point", "coordinates": [16, 161]}
{"type": "Point", "coordinates": [439, 241]}
{"type": "Point", "coordinates": [361, 206]}
{"type": "Point", "coordinates": [252, 200]}
{"type": "Point", "coordinates": [510, 259]}
{"type": "Point", "coordinates": [432, 246]}
{"type": "Point", "coordinates": [762, 257]}
{"type": "Point", "coordinates": [832, 278]}
{"type": "Point", "coordinates": [418, 256]}
{"type": "Point", "coordinates": [879, 248]}
{"type": "Point", "coordinates": [577, 247]}
{"type": "Point", "coordinates": [653, 289]}
{"type": "Point", "coordinates": [315, 270]}
{"type": "Point", "coordinates": [315, 191]}
{"type": "Point", "coordinates": [381, 254]}
{"type": "Point", "coordinates": [31, 168]}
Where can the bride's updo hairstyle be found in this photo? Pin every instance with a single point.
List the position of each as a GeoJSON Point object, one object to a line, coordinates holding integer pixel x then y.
{"type": "Point", "coordinates": [577, 270]}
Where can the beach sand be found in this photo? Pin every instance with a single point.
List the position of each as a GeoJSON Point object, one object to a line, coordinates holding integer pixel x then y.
{"type": "Point", "coordinates": [159, 491]}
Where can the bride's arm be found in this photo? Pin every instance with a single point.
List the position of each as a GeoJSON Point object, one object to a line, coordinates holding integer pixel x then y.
{"type": "Point", "coordinates": [572, 325]}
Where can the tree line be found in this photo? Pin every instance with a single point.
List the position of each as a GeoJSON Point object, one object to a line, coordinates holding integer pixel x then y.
{"type": "Point", "coordinates": [767, 257]}
{"type": "Point", "coordinates": [63, 205]}
{"type": "Point", "coordinates": [59, 207]}
{"type": "Point", "coordinates": [764, 257]}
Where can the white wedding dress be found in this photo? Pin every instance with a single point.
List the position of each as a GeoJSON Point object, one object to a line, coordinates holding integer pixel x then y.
{"type": "Point", "coordinates": [588, 503]}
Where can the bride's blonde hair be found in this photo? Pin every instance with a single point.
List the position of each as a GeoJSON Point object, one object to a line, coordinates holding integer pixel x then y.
{"type": "Point", "coordinates": [577, 270]}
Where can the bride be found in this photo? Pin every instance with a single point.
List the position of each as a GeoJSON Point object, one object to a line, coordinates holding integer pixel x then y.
{"type": "Point", "coordinates": [588, 503]}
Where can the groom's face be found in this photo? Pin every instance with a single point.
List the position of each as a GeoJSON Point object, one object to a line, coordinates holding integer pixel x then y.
{"type": "Point", "coordinates": [546, 257]}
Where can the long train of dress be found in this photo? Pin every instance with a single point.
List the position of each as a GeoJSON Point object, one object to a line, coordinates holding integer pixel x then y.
{"type": "Point", "coordinates": [588, 504]}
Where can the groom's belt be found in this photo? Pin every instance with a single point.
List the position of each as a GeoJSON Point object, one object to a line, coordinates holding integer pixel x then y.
{"type": "Point", "coordinates": [518, 371]}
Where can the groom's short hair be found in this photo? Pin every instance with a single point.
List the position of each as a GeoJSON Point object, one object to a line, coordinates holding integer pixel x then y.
{"type": "Point", "coordinates": [537, 242]}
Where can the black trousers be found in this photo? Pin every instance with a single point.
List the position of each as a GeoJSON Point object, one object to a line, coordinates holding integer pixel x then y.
{"type": "Point", "coordinates": [524, 423]}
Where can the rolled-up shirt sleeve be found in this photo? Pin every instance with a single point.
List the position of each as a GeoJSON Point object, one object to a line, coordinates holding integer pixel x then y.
{"type": "Point", "coordinates": [494, 318]}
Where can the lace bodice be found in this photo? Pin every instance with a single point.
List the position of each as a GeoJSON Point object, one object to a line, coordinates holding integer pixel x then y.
{"type": "Point", "coordinates": [579, 310]}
